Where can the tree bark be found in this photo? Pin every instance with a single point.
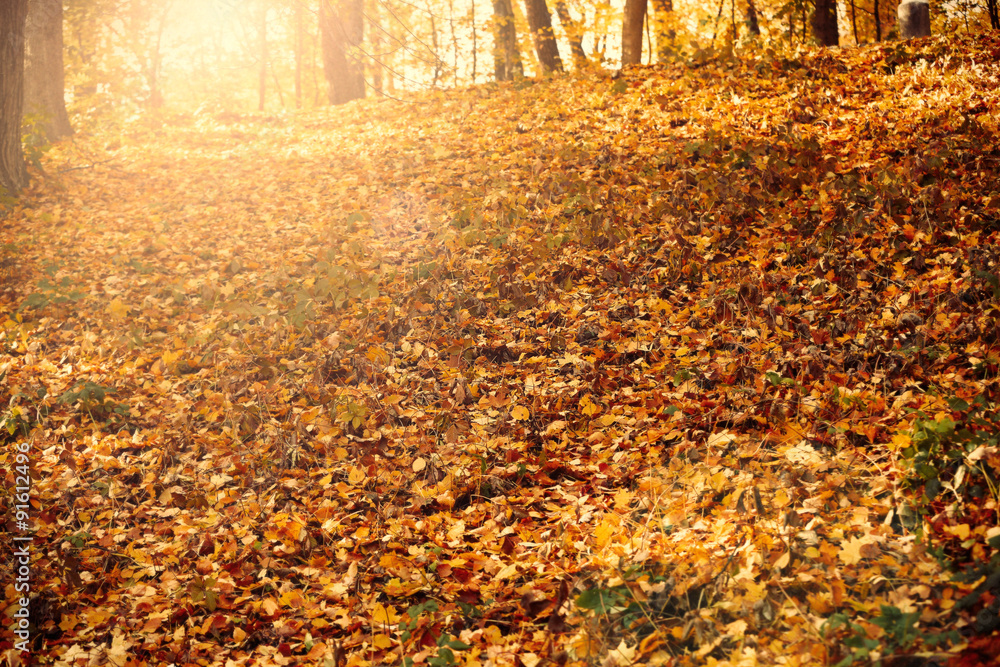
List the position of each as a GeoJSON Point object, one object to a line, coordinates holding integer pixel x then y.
{"type": "Point", "coordinates": [342, 27]}
{"type": "Point", "coordinates": [914, 19]}
{"type": "Point", "coordinates": [994, 12]}
{"type": "Point", "coordinates": [573, 34]}
{"type": "Point", "coordinates": [44, 79]}
{"type": "Point", "coordinates": [13, 174]}
{"type": "Point", "coordinates": [507, 64]}
{"type": "Point", "coordinates": [824, 23]}
{"type": "Point", "coordinates": [540, 22]}
{"type": "Point", "coordinates": [635, 14]}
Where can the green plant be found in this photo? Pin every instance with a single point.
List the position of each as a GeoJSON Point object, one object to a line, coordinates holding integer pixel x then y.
{"type": "Point", "coordinates": [900, 635]}
{"type": "Point", "coordinates": [50, 293]}
{"type": "Point", "coordinates": [447, 644]}
{"type": "Point", "coordinates": [93, 398]}
{"type": "Point", "coordinates": [939, 450]}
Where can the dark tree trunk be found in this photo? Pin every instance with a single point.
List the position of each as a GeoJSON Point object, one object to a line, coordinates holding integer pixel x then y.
{"type": "Point", "coordinates": [663, 10]}
{"type": "Point", "coordinates": [994, 12]}
{"type": "Point", "coordinates": [878, 21]}
{"type": "Point", "coordinates": [342, 26]}
{"type": "Point", "coordinates": [635, 14]}
{"type": "Point", "coordinates": [44, 80]}
{"type": "Point", "coordinates": [753, 25]}
{"type": "Point", "coordinates": [854, 22]}
{"type": "Point", "coordinates": [573, 34]}
{"type": "Point", "coordinates": [540, 22]}
{"type": "Point", "coordinates": [506, 56]}
{"type": "Point", "coordinates": [13, 175]}
{"type": "Point", "coordinates": [824, 23]}
{"type": "Point", "coordinates": [914, 19]}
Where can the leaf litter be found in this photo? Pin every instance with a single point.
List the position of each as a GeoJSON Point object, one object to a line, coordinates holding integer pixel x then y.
{"type": "Point", "coordinates": [695, 365]}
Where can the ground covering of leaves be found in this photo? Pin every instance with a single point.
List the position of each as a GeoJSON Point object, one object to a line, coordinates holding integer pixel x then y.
{"type": "Point", "coordinates": [692, 365]}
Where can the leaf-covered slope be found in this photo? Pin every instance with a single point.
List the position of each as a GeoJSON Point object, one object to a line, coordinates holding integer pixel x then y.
{"type": "Point", "coordinates": [665, 367]}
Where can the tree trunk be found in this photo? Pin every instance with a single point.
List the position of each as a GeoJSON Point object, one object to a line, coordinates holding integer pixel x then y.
{"type": "Point", "coordinates": [994, 12]}
{"type": "Point", "coordinates": [914, 19]}
{"type": "Point", "coordinates": [824, 23]}
{"type": "Point", "coordinates": [342, 27]}
{"type": "Point", "coordinates": [540, 22]}
{"type": "Point", "coordinates": [635, 14]}
{"type": "Point", "coordinates": [878, 21]}
{"type": "Point", "coordinates": [13, 175]}
{"type": "Point", "coordinates": [573, 34]}
{"type": "Point", "coordinates": [665, 35]}
{"type": "Point", "coordinates": [44, 80]}
{"type": "Point", "coordinates": [854, 23]}
{"type": "Point", "coordinates": [262, 73]}
{"type": "Point", "coordinates": [753, 25]}
{"type": "Point", "coordinates": [506, 56]}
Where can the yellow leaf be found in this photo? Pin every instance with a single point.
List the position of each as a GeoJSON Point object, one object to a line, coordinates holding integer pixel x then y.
{"type": "Point", "coordinates": [520, 413]}
{"type": "Point", "coordinates": [384, 615]}
{"type": "Point", "coordinates": [588, 407]}
{"type": "Point", "coordinates": [356, 476]}
{"type": "Point", "coordinates": [419, 464]}
{"type": "Point", "coordinates": [118, 309]}
{"type": "Point", "coordinates": [961, 532]}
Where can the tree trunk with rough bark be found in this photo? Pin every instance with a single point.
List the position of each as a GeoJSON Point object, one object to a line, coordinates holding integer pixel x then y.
{"type": "Point", "coordinates": [342, 26]}
{"type": "Point", "coordinates": [824, 23]}
{"type": "Point", "coordinates": [635, 14]}
{"type": "Point", "coordinates": [44, 79]}
{"type": "Point", "coordinates": [13, 174]}
{"type": "Point", "coordinates": [540, 22]}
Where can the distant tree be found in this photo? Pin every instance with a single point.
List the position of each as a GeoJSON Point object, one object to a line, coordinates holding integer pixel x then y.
{"type": "Point", "coordinates": [824, 22]}
{"type": "Point", "coordinates": [13, 174]}
{"type": "Point", "coordinates": [663, 11]}
{"type": "Point", "coordinates": [635, 15]}
{"type": "Point", "coordinates": [540, 22]}
{"type": "Point", "coordinates": [753, 25]}
{"type": "Point", "coordinates": [507, 64]}
{"type": "Point", "coordinates": [44, 79]}
{"type": "Point", "coordinates": [341, 23]}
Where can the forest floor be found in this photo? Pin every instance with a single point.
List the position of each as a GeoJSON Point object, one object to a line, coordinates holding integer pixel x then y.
{"type": "Point", "coordinates": [693, 365]}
